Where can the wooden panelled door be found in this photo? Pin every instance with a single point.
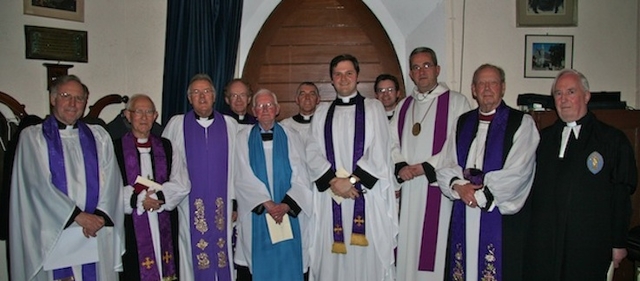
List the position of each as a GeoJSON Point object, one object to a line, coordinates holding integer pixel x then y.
{"type": "Point", "coordinates": [300, 38]}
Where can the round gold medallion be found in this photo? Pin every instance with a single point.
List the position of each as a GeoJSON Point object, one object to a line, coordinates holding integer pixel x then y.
{"type": "Point", "coordinates": [416, 129]}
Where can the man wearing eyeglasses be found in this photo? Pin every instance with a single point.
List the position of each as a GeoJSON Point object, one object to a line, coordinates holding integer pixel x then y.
{"type": "Point", "coordinates": [486, 169]}
{"type": "Point", "coordinates": [237, 94]}
{"type": "Point", "coordinates": [274, 195]}
{"type": "Point", "coordinates": [388, 92]}
{"type": "Point", "coordinates": [151, 233]}
{"type": "Point", "coordinates": [66, 190]}
{"type": "Point", "coordinates": [422, 122]}
{"type": "Point", "coordinates": [307, 99]}
{"type": "Point", "coordinates": [200, 184]}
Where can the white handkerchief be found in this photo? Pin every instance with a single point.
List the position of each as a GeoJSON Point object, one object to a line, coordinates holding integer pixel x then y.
{"type": "Point", "coordinates": [152, 185]}
{"type": "Point", "coordinates": [279, 232]}
{"type": "Point", "coordinates": [72, 249]}
{"type": "Point", "coordinates": [340, 173]}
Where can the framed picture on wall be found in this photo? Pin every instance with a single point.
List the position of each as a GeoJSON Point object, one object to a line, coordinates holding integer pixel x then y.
{"type": "Point", "coordinates": [546, 55]}
{"type": "Point", "coordinates": [66, 10]}
{"type": "Point", "coordinates": [538, 13]}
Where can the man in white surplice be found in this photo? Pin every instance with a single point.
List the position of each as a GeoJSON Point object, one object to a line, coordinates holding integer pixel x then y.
{"type": "Point", "coordinates": [418, 130]}
{"type": "Point", "coordinates": [354, 240]}
{"type": "Point", "coordinates": [271, 183]}
{"type": "Point", "coordinates": [150, 230]}
{"type": "Point", "coordinates": [307, 99]}
{"type": "Point", "coordinates": [203, 142]}
{"type": "Point", "coordinates": [488, 164]}
{"type": "Point", "coordinates": [66, 186]}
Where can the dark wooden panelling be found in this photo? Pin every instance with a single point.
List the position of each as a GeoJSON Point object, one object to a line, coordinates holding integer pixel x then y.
{"type": "Point", "coordinates": [314, 72]}
{"type": "Point", "coordinates": [309, 54]}
{"type": "Point", "coordinates": [320, 36]}
{"type": "Point", "coordinates": [300, 38]}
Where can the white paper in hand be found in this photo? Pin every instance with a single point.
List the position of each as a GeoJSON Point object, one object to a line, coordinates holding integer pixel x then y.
{"type": "Point", "coordinates": [279, 232]}
{"type": "Point", "coordinates": [72, 249]}
{"type": "Point", "coordinates": [152, 185]}
{"type": "Point", "coordinates": [610, 272]}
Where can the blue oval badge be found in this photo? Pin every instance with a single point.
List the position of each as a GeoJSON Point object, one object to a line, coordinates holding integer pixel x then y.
{"type": "Point", "coordinates": [595, 162]}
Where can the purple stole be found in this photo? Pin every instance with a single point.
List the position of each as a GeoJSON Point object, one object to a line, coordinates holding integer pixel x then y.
{"type": "Point", "coordinates": [146, 254]}
{"type": "Point", "coordinates": [432, 211]}
{"type": "Point", "coordinates": [59, 178]}
{"type": "Point", "coordinates": [206, 151]}
{"type": "Point", "coordinates": [358, 231]}
{"type": "Point", "coordinates": [490, 246]}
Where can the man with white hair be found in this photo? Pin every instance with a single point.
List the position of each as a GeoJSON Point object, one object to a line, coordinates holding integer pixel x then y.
{"type": "Point", "coordinates": [580, 201]}
{"type": "Point", "coordinates": [274, 193]}
{"type": "Point", "coordinates": [151, 233]}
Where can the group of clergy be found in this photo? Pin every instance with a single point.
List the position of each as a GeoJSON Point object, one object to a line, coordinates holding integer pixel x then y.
{"type": "Point", "coordinates": [243, 197]}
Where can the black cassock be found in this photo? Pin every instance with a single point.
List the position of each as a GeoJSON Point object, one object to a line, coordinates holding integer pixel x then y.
{"type": "Point", "coordinates": [580, 205]}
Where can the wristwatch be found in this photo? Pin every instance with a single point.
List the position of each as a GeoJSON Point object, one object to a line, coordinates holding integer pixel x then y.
{"type": "Point", "coordinates": [353, 180]}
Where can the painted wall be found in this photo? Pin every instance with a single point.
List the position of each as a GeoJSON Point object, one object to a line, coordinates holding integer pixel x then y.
{"type": "Point", "coordinates": [126, 55]}
{"type": "Point", "coordinates": [126, 46]}
{"type": "Point", "coordinates": [122, 59]}
{"type": "Point", "coordinates": [605, 45]}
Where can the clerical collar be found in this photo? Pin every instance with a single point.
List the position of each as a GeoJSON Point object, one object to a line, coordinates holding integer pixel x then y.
{"type": "Point", "coordinates": [486, 116]}
{"type": "Point", "coordinates": [198, 117]}
{"type": "Point", "coordinates": [266, 135]}
{"type": "Point", "coordinates": [143, 143]}
{"type": "Point", "coordinates": [348, 100]}
{"type": "Point", "coordinates": [240, 117]}
{"type": "Point", "coordinates": [63, 126]}
{"type": "Point", "coordinates": [302, 119]}
{"type": "Point", "coordinates": [423, 96]}
{"type": "Point", "coordinates": [390, 114]}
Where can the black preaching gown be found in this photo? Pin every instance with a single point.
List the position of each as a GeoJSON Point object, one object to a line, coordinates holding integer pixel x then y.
{"type": "Point", "coordinates": [579, 210]}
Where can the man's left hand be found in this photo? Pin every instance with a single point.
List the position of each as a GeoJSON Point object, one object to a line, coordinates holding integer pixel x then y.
{"type": "Point", "coordinates": [618, 254]}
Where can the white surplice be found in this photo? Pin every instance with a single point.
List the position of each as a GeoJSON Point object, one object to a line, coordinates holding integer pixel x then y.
{"type": "Point", "coordinates": [176, 191]}
{"type": "Point", "coordinates": [416, 150]}
{"type": "Point", "coordinates": [302, 128]}
{"type": "Point", "coordinates": [375, 261]}
{"type": "Point", "coordinates": [510, 186]}
{"type": "Point", "coordinates": [251, 192]}
{"type": "Point", "coordinates": [40, 211]}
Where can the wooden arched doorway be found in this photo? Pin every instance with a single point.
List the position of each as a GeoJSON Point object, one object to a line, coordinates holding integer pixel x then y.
{"type": "Point", "coordinates": [300, 38]}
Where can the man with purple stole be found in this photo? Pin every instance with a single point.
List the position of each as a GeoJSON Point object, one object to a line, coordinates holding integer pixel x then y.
{"type": "Point", "coordinates": [151, 232]}
{"type": "Point", "coordinates": [66, 195]}
{"type": "Point", "coordinates": [274, 194]}
{"type": "Point", "coordinates": [580, 203]}
{"type": "Point", "coordinates": [200, 184]}
{"type": "Point", "coordinates": [418, 131]}
{"type": "Point", "coordinates": [487, 170]}
{"type": "Point", "coordinates": [356, 222]}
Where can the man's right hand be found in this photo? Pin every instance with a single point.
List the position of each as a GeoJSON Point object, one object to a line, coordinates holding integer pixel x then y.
{"type": "Point", "coordinates": [467, 193]}
{"type": "Point", "coordinates": [90, 223]}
